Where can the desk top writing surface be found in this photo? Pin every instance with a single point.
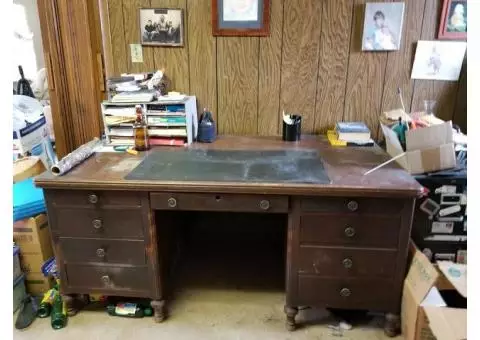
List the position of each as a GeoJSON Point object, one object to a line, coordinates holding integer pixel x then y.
{"type": "Point", "coordinates": [344, 167]}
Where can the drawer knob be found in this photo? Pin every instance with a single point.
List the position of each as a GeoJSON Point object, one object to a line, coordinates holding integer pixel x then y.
{"type": "Point", "coordinates": [352, 206]}
{"type": "Point", "coordinates": [347, 263]}
{"type": "Point", "coordinates": [101, 252]}
{"type": "Point", "coordinates": [106, 279]}
{"type": "Point", "coordinates": [172, 202]}
{"type": "Point", "coordinates": [349, 231]}
{"type": "Point", "coordinates": [93, 198]}
{"type": "Point", "coordinates": [264, 204]}
{"type": "Point", "coordinates": [97, 224]}
{"type": "Point", "coordinates": [345, 292]}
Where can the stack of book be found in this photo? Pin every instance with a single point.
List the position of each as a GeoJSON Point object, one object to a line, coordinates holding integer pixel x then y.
{"type": "Point", "coordinates": [350, 134]}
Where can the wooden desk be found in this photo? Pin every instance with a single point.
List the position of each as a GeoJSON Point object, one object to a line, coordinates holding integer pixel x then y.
{"type": "Point", "coordinates": [346, 246]}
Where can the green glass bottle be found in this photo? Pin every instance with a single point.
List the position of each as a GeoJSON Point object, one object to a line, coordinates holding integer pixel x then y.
{"type": "Point", "coordinates": [59, 313]}
{"type": "Point", "coordinates": [45, 306]}
{"type": "Point", "coordinates": [129, 310]}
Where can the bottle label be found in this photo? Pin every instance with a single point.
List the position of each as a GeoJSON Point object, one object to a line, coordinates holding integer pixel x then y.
{"type": "Point", "coordinates": [125, 309]}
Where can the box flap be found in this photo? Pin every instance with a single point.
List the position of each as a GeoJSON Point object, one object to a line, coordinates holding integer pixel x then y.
{"type": "Point", "coordinates": [429, 137]}
{"type": "Point", "coordinates": [421, 276]}
{"type": "Point", "coordinates": [392, 139]}
{"type": "Point", "coordinates": [456, 273]}
{"type": "Point", "coordinates": [447, 323]}
{"type": "Point", "coordinates": [426, 160]}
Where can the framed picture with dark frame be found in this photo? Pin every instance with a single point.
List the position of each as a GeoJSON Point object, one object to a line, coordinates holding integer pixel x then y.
{"type": "Point", "coordinates": [161, 26]}
{"type": "Point", "coordinates": [453, 24]}
{"type": "Point", "coordinates": [241, 17]}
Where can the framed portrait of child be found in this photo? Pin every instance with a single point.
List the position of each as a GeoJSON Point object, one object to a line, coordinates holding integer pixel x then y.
{"type": "Point", "coordinates": [382, 29]}
{"type": "Point", "coordinates": [453, 24]}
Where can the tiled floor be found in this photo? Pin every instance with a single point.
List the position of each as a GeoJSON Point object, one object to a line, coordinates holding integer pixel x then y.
{"type": "Point", "coordinates": [206, 314]}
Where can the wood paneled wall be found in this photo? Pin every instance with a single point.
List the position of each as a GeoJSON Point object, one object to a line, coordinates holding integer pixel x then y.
{"type": "Point", "coordinates": [310, 64]}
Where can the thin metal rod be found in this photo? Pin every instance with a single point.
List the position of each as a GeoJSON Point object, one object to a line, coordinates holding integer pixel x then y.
{"type": "Point", "coordinates": [385, 163]}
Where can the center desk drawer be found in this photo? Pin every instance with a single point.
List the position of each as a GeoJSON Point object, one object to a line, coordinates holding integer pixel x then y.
{"type": "Point", "coordinates": [108, 278]}
{"type": "Point", "coordinates": [219, 202]}
{"type": "Point", "coordinates": [344, 230]}
{"type": "Point", "coordinates": [77, 250]}
{"type": "Point", "coordinates": [108, 223]}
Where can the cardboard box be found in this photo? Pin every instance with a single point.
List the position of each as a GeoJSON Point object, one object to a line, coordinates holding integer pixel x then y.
{"type": "Point", "coordinates": [37, 284]}
{"type": "Point", "coordinates": [425, 315]}
{"type": "Point", "coordinates": [32, 235]}
{"type": "Point", "coordinates": [427, 149]}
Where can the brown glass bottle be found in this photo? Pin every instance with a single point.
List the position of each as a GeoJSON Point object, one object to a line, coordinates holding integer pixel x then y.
{"type": "Point", "coordinates": [140, 131]}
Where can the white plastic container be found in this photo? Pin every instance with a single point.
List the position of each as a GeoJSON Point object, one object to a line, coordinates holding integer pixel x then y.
{"type": "Point", "coordinates": [17, 270]}
{"type": "Point", "coordinates": [19, 292]}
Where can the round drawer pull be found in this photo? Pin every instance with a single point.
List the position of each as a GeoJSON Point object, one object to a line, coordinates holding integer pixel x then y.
{"type": "Point", "coordinates": [100, 252]}
{"type": "Point", "coordinates": [347, 263]}
{"type": "Point", "coordinates": [345, 292]}
{"type": "Point", "coordinates": [93, 198]}
{"type": "Point", "coordinates": [352, 206]}
{"type": "Point", "coordinates": [97, 224]}
{"type": "Point", "coordinates": [264, 204]}
{"type": "Point", "coordinates": [349, 231]}
{"type": "Point", "coordinates": [106, 279]}
{"type": "Point", "coordinates": [172, 202]}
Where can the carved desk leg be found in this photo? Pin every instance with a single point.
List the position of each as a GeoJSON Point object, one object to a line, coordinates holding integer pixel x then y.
{"type": "Point", "coordinates": [392, 324]}
{"type": "Point", "coordinates": [160, 312]}
{"type": "Point", "coordinates": [69, 300]}
{"type": "Point", "coordinates": [291, 313]}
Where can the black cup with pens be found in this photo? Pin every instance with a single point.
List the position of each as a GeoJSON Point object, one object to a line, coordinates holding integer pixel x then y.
{"type": "Point", "coordinates": [292, 127]}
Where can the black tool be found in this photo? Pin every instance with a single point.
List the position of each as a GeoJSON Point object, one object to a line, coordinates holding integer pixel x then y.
{"type": "Point", "coordinates": [23, 86]}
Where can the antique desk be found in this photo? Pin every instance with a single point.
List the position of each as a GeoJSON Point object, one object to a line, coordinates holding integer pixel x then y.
{"type": "Point", "coordinates": [346, 240]}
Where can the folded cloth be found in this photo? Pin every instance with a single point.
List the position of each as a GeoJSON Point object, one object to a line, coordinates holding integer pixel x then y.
{"type": "Point", "coordinates": [28, 200]}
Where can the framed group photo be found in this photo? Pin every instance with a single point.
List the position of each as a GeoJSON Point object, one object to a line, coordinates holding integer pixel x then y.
{"type": "Point", "coordinates": [241, 17]}
{"type": "Point", "coordinates": [162, 26]}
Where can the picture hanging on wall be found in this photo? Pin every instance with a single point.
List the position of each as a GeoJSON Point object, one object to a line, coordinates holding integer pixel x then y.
{"type": "Point", "coordinates": [438, 60]}
{"type": "Point", "coordinates": [241, 17]}
{"type": "Point", "coordinates": [161, 26]}
{"type": "Point", "coordinates": [382, 29]}
{"type": "Point", "coordinates": [453, 24]}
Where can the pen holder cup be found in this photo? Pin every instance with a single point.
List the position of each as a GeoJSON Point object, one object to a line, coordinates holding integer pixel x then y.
{"type": "Point", "coordinates": [292, 132]}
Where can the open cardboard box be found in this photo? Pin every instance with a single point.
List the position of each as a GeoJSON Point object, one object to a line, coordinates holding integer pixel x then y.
{"type": "Point", "coordinates": [425, 315]}
{"type": "Point", "coordinates": [427, 149]}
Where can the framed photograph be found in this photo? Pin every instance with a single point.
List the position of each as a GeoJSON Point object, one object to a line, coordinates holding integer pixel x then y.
{"type": "Point", "coordinates": [439, 60]}
{"type": "Point", "coordinates": [241, 17]}
{"type": "Point", "coordinates": [161, 26]}
{"type": "Point", "coordinates": [453, 24]}
{"type": "Point", "coordinates": [382, 28]}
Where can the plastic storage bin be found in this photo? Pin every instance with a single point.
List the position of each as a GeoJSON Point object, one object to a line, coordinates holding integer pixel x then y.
{"type": "Point", "coordinates": [17, 270]}
{"type": "Point", "coordinates": [19, 292]}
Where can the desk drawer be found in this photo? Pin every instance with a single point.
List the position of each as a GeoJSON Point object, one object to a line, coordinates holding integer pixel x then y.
{"type": "Point", "coordinates": [108, 277]}
{"type": "Point", "coordinates": [103, 251]}
{"type": "Point", "coordinates": [94, 199]}
{"type": "Point", "coordinates": [354, 205]}
{"type": "Point", "coordinates": [341, 230]}
{"type": "Point", "coordinates": [219, 202]}
{"type": "Point", "coordinates": [108, 223]}
{"type": "Point", "coordinates": [345, 293]}
{"type": "Point", "coordinates": [347, 262]}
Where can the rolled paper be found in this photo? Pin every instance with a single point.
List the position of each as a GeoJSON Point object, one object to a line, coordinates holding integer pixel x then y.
{"type": "Point", "coordinates": [75, 157]}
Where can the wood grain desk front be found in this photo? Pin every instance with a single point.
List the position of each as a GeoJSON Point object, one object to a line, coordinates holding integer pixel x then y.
{"type": "Point", "coordinates": [346, 245]}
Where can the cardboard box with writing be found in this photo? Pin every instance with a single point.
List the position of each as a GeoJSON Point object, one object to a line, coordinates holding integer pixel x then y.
{"type": "Point", "coordinates": [37, 284]}
{"type": "Point", "coordinates": [425, 314]}
{"type": "Point", "coordinates": [427, 149]}
{"type": "Point", "coordinates": [32, 235]}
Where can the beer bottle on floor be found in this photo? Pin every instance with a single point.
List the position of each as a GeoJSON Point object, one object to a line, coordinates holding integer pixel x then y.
{"type": "Point", "coordinates": [59, 313]}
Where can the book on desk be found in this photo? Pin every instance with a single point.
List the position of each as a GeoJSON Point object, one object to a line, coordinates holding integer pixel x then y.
{"type": "Point", "coordinates": [350, 134]}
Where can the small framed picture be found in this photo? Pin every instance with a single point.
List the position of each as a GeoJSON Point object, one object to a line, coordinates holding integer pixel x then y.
{"type": "Point", "coordinates": [382, 29]}
{"type": "Point", "coordinates": [161, 26]}
{"type": "Point", "coordinates": [241, 17]}
{"type": "Point", "coordinates": [453, 24]}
